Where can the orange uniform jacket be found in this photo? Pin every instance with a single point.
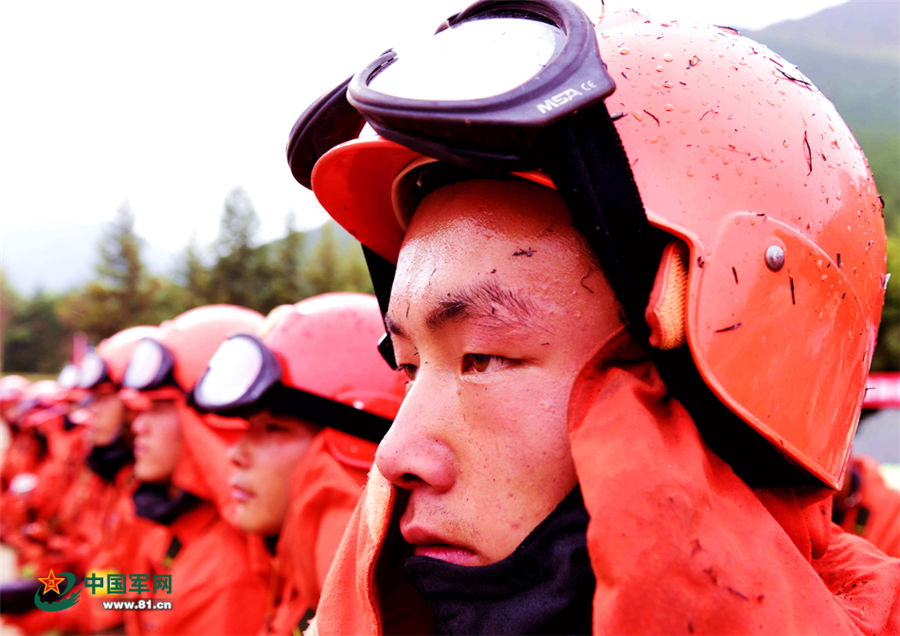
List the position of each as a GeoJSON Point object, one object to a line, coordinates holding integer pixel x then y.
{"type": "Point", "coordinates": [875, 513]}
{"type": "Point", "coordinates": [677, 542]}
{"type": "Point", "coordinates": [114, 534]}
{"type": "Point", "coordinates": [214, 588]}
{"type": "Point", "coordinates": [40, 509]}
{"type": "Point", "coordinates": [325, 488]}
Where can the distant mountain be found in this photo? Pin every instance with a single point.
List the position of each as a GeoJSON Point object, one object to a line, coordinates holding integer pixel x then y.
{"type": "Point", "coordinates": [60, 258]}
{"type": "Point", "coordinates": [851, 52]}
{"type": "Point", "coordinates": [63, 258]}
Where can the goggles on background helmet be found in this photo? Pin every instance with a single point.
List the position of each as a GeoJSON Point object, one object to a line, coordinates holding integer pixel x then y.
{"type": "Point", "coordinates": [68, 377]}
{"type": "Point", "coordinates": [150, 366]}
{"type": "Point", "coordinates": [92, 371]}
{"type": "Point", "coordinates": [244, 377]}
{"type": "Point", "coordinates": [504, 86]}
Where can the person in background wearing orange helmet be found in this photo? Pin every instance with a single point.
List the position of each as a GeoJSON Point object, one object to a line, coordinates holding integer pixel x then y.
{"type": "Point", "coordinates": [99, 491]}
{"type": "Point", "coordinates": [213, 587]}
{"type": "Point", "coordinates": [317, 398]}
{"type": "Point", "coordinates": [636, 306]}
{"type": "Point", "coordinates": [866, 505]}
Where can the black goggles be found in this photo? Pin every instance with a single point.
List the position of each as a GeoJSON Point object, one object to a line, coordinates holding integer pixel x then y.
{"type": "Point", "coordinates": [540, 107]}
{"type": "Point", "coordinates": [244, 377]}
{"type": "Point", "coordinates": [92, 371]}
{"type": "Point", "coordinates": [150, 366]}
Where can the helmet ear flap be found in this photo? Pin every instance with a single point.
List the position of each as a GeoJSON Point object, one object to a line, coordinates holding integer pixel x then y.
{"type": "Point", "coordinates": [666, 312]}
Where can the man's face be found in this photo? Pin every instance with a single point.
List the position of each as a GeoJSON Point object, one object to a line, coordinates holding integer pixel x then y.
{"type": "Point", "coordinates": [157, 442]}
{"type": "Point", "coordinates": [262, 462]}
{"type": "Point", "coordinates": [496, 306]}
{"type": "Point", "coordinates": [107, 412]}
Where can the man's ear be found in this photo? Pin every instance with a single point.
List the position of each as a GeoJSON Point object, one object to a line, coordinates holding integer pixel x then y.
{"type": "Point", "coordinates": [667, 307]}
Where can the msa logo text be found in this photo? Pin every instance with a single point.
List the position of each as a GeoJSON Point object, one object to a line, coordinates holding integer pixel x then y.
{"type": "Point", "coordinates": [565, 97]}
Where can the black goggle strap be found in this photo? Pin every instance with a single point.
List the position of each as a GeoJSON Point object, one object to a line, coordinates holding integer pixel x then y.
{"type": "Point", "coordinates": [281, 399]}
{"type": "Point", "coordinates": [382, 272]}
{"type": "Point", "coordinates": [326, 123]}
{"type": "Point", "coordinates": [590, 169]}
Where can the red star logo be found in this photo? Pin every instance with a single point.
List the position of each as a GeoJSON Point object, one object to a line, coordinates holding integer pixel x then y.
{"type": "Point", "coordinates": [51, 582]}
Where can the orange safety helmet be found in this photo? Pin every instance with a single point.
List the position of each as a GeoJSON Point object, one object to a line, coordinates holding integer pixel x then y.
{"type": "Point", "coordinates": [312, 360]}
{"type": "Point", "coordinates": [44, 394]}
{"type": "Point", "coordinates": [327, 346]}
{"type": "Point", "coordinates": [743, 161]}
{"type": "Point", "coordinates": [38, 403]}
{"type": "Point", "coordinates": [12, 389]}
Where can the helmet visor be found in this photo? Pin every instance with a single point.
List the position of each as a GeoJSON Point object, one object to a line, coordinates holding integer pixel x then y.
{"type": "Point", "coordinates": [150, 366]}
{"type": "Point", "coordinates": [92, 371]}
{"type": "Point", "coordinates": [239, 373]}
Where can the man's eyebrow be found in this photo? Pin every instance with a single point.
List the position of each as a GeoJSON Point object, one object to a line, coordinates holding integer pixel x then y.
{"type": "Point", "coordinates": [480, 301]}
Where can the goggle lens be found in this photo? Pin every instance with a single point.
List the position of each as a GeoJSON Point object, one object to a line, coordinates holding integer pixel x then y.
{"type": "Point", "coordinates": [68, 377]}
{"type": "Point", "coordinates": [233, 370]}
{"type": "Point", "coordinates": [148, 366]}
{"type": "Point", "coordinates": [473, 60]}
{"type": "Point", "coordinates": [93, 371]}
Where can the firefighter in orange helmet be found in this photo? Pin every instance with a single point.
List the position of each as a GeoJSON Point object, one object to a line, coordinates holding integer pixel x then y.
{"type": "Point", "coordinates": [104, 506]}
{"type": "Point", "coordinates": [317, 398]}
{"type": "Point", "coordinates": [182, 473]}
{"type": "Point", "coordinates": [868, 506]}
{"type": "Point", "coordinates": [636, 297]}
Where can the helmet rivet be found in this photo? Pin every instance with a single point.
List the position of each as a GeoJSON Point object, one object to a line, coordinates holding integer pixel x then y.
{"type": "Point", "coordinates": [775, 257]}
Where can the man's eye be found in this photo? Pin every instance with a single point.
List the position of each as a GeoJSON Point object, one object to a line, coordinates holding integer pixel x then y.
{"type": "Point", "coordinates": [410, 370]}
{"type": "Point", "coordinates": [482, 362]}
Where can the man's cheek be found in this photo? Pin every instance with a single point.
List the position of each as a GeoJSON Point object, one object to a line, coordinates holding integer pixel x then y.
{"type": "Point", "coordinates": [503, 408]}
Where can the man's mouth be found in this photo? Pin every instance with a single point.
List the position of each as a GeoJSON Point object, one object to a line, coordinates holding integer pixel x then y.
{"type": "Point", "coordinates": [429, 544]}
{"type": "Point", "coordinates": [239, 493]}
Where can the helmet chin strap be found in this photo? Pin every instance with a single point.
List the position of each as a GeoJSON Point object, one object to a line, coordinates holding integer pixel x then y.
{"type": "Point", "coordinates": [585, 158]}
{"type": "Point", "coordinates": [382, 272]}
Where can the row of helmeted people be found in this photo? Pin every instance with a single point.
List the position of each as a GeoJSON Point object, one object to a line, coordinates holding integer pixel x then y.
{"type": "Point", "coordinates": [211, 462]}
{"type": "Point", "coordinates": [217, 458]}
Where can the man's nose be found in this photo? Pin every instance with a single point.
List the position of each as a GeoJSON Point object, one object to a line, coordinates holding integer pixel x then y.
{"type": "Point", "coordinates": [417, 450]}
{"type": "Point", "coordinates": [141, 424]}
{"type": "Point", "coordinates": [237, 453]}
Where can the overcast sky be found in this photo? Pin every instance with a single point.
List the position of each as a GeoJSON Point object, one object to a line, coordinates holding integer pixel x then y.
{"type": "Point", "coordinates": [170, 104]}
